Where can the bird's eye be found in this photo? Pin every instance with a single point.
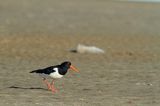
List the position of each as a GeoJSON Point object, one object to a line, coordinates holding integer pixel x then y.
{"type": "Point", "coordinates": [69, 64]}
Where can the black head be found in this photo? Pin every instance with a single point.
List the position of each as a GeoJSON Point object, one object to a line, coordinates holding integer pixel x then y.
{"type": "Point", "coordinates": [66, 64]}
{"type": "Point", "coordinates": [63, 67]}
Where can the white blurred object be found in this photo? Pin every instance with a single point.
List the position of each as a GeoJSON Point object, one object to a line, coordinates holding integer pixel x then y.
{"type": "Point", "coordinates": [88, 49]}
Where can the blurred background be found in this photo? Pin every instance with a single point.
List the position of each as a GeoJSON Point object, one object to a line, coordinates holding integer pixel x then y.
{"type": "Point", "coordinates": [83, 17]}
{"type": "Point", "coordinates": [39, 33]}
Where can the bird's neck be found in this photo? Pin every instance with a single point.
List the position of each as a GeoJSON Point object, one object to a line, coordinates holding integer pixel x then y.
{"type": "Point", "coordinates": [63, 70]}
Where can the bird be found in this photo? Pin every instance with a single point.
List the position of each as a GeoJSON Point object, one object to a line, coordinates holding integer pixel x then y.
{"type": "Point", "coordinates": [54, 72]}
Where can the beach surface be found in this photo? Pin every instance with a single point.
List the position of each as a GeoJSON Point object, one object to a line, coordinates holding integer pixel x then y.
{"type": "Point", "coordinates": [36, 34]}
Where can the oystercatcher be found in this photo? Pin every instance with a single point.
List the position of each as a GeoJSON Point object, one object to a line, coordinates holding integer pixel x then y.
{"type": "Point", "coordinates": [54, 72]}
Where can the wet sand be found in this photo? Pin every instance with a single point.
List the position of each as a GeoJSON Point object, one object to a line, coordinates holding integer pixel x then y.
{"type": "Point", "coordinates": [39, 34]}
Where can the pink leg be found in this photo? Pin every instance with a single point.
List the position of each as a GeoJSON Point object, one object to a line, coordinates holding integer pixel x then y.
{"type": "Point", "coordinates": [48, 84]}
{"type": "Point", "coordinates": [52, 87]}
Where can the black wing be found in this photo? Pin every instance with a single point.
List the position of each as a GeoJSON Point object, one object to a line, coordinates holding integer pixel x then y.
{"type": "Point", "coordinates": [47, 70]}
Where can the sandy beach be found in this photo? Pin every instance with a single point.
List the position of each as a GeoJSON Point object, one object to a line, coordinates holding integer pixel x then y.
{"type": "Point", "coordinates": [36, 34]}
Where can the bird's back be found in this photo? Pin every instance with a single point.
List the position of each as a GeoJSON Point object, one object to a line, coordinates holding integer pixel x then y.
{"type": "Point", "coordinates": [47, 70]}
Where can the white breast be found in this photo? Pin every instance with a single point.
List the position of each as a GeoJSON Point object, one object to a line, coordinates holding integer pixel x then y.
{"type": "Point", "coordinates": [55, 74]}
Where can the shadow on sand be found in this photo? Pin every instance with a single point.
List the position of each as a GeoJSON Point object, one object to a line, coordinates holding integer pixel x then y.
{"type": "Point", "coordinates": [17, 87]}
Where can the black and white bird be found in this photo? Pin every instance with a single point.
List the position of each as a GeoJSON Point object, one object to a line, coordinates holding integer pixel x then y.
{"type": "Point", "coordinates": [55, 72]}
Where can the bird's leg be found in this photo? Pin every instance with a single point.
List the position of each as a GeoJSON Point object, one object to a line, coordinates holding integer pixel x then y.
{"type": "Point", "coordinates": [47, 83]}
{"type": "Point", "coordinates": [52, 87]}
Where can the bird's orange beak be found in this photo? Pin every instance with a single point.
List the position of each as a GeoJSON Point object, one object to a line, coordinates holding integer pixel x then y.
{"type": "Point", "coordinates": [74, 69]}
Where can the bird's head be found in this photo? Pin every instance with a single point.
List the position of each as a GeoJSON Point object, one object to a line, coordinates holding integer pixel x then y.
{"type": "Point", "coordinates": [68, 65]}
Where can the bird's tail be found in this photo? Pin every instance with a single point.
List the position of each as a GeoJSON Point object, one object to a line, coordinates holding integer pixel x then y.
{"type": "Point", "coordinates": [36, 71]}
